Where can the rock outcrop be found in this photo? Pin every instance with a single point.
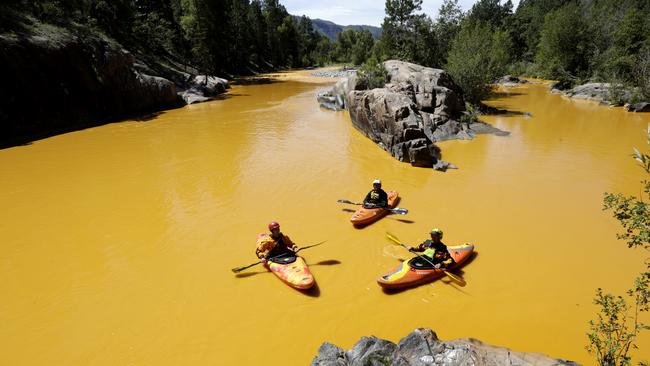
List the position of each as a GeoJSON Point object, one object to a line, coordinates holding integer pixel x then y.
{"type": "Point", "coordinates": [422, 347]}
{"type": "Point", "coordinates": [417, 107]}
{"type": "Point", "coordinates": [591, 91]}
{"type": "Point", "coordinates": [509, 80]}
{"type": "Point", "coordinates": [57, 80]}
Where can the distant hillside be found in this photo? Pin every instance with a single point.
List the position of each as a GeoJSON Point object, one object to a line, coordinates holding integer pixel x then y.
{"type": "Point", "coordinates": [331, 30]}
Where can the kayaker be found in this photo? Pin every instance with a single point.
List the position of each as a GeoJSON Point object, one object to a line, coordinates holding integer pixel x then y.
{"type": "Point", "coordinates": [275, 244]}
{"type": "Point", "coordinates": [435, 250]}
{"type": "Point", "coordinates": [377, 197]}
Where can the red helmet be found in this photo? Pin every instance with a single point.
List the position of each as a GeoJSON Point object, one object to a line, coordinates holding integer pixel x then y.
{"type": "Point", "coordinates": [274, 225]}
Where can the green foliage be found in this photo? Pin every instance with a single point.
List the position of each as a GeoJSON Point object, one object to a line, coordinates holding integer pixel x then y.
{"type": "Point", "coordinates": [633, 213]}
{"type": "Point", "coordinates": [446, 28]}
{"type": "Point", "coordinates": [372, 74]}
{"type": "Point", "coordinates": [614, 332]}
{"type": "Point", "coordinates": [490, 12]}
{"type": "Point", "coordinates": [353, 46]}
{"type": "Point", "coordinates": [471, 114]}
{"type": "Point", "coordinates": [563, 27]}
{"type": "Point", "coordinates": [398, 29]}
{"type": "Point", "coordinates": [642, 73]}
{"type": "Point", "coordinates": [478, 56]}
{"type": "Point", "coordinates": [627, 39]}
{"type": "Point", "coordinates": [526, 25]}
{"type": "Point", "coordinates": [362, 49]}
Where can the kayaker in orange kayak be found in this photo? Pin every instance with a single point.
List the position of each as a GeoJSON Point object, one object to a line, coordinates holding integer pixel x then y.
{"type": "Point", "coordinates": [377, 197]}
{"type": "Point", "coordinates": [274, 245]}
{"type": "Point", "coordinates": [435, 249]}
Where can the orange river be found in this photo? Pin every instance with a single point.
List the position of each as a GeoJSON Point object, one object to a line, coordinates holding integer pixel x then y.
{"type": "Point", "coordinates": [117, 242]}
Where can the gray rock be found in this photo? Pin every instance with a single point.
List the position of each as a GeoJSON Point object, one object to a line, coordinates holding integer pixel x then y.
{"type": "Point", "coordinates": [422, 348]}
{"type": "Point", "coordinates": [638, 107]}
{"type": "Point", "coordinates": [334, 73]}
{"type": "Point", "coordinates": [370, 351]}
{"type": "Point", "coordinates": [509, 80]}
{"type": "Point", "coordinates": [329, 355]}
{"type": "Point", "coordinates": [203, 88]}
{"type": "Point", "coordinates": [416, 108]}
{"type": "Point", "coordinates": [590, 91]}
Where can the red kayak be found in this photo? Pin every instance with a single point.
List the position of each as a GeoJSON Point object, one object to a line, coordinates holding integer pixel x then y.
{"type": "Point", "coordinates": [411, 273]}
{"type": "Point", "coordinates": [366, 216]}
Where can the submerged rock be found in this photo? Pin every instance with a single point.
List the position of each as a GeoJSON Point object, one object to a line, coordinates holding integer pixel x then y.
{"type": "Point", "coordinates": [417, 107]}
{"type": "Point", "coordinates": [422, 347]}
{"type": "Point", "coordinates": [638, 107]}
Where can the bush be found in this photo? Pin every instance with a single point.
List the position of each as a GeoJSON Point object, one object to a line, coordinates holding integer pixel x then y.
{"type": "Point", "coordinates": [372, 74]}
{"type": "Point", "coordinates": [478, 56]}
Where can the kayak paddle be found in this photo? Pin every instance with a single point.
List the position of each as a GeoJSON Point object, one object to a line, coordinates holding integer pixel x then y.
{"type": "Point", "coordinates": [239, 269]}
{"type": "Point", "coordinates": [396, 241]}
{"type": "Point", "coordinates": [397, 210]}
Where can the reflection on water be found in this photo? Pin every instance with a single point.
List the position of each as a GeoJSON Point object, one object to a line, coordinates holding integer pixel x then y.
{"type": "Point", "coordinates": [117, 241]}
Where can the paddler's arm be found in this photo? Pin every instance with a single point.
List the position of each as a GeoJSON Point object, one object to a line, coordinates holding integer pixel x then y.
{"type": "Point", "coordinates": [383, 199]}
{"type": "Point", "coordinates": [419, 248]}
{"type": "Point", "coordinates": [290, 244]}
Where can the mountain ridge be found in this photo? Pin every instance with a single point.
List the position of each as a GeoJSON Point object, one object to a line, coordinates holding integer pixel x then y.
{"type": "Point", "coordinates": [331, 29]}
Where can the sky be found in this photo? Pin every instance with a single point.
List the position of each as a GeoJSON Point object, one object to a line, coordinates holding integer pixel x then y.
{"type": "Point", "coordinates": [358, 12]}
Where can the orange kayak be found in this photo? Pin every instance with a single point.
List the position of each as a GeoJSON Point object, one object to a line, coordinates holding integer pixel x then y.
{"type": "Point", "coordinates": [291, 269]}
{"type": "Point", "coordinates": [409, 274]}
{"type": "Point", "coordinates": [365, 216]}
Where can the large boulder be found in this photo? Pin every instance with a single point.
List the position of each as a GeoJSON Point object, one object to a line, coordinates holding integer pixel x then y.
{"type": "Point", "coordinates": [203, 88]}
{"type": "Point", "coordinates": [417, 107]}
{"type": "Point", "coordinates": [422, 347]}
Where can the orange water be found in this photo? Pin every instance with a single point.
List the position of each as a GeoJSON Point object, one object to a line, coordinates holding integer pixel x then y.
{"type": "Point", "coordinates": [117, 241]}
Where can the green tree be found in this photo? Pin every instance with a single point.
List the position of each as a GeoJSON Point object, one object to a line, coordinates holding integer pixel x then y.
{"type": "Point", "coordinates": [259, 31]}
{"type": "Point", "coordinates": [490, 12]}
{"type": "Point", "coordinates": [398, 29]}
{"type": "Point", "coordinates": [447, 27]}
{"type": "Point", "coordinates": [527, 23]}
{"type": "Point", "coordinates": [362, 48]}
{"type": "Point", "coordinates": [564, 48]}
{"type": "Point", "coordinates": [288, 42]}
{"type": "Point", "coordinates": [477, 57]}
{"type": "Point", "coordinates": [628, 39]}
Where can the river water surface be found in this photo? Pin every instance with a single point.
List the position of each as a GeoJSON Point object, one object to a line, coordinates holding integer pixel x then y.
{"type": "Point", "coordinates": [117, 242]}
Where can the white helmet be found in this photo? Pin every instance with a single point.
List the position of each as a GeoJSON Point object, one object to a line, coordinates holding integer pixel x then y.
{"type": "Point", "coordinates": [376, 181]}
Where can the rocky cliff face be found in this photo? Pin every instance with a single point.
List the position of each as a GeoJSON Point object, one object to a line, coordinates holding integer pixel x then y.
{"type": "Point", "coordinates": [417, 107]}
{"type": "Point", "coordinates": [422, 347]}
{"type": "Point", "coordinates": [61, 81]}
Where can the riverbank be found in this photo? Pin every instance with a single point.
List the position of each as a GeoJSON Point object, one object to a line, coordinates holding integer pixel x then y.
{"type": "Point", "coordinates": [58, 79]}
{"type": "Point", "coordinates": [422, 347]}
